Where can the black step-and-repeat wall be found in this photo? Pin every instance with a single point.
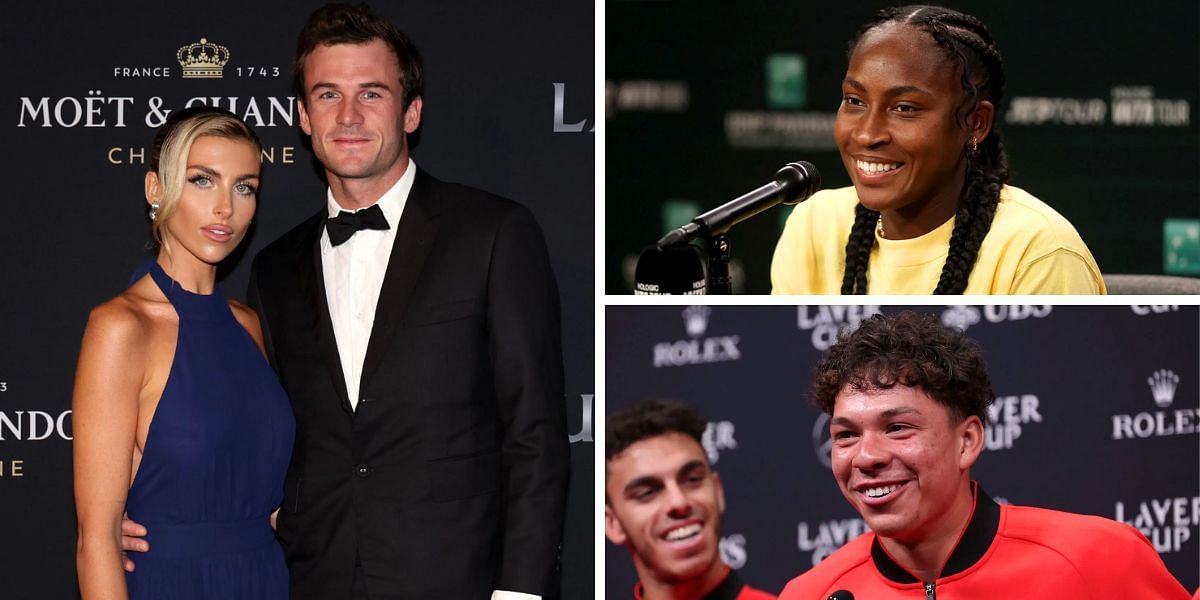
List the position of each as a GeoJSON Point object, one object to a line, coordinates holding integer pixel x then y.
{"type": "Point", "coordinates": [509, 107]}
{"type": "Point", "coordinates": [1096, 412]}
{"type": "Point", "coordinates": [706, 101]}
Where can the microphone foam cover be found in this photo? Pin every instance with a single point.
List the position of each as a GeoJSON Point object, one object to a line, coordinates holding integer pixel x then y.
{"type": "Point", "coordinates": [678, 269]}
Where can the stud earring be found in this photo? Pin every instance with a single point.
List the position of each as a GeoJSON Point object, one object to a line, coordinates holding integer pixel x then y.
{"type": "Point", "coordinates": [153, 211]}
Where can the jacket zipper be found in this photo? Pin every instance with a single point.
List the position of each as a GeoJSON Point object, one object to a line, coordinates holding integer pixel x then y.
{"type": "Point", "coordinates": [930, 591]}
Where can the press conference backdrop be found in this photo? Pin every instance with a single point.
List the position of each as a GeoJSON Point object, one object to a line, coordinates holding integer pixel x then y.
{"type": "Point", "coordinates": [1096, 412]}
{"type": "Point", "coordinates": [509, 107]}
{"type": "Point", "coordinates": [706, 101]}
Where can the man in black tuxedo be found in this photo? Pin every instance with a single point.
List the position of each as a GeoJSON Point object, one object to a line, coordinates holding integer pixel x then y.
{"type": "Point", "coordinates": [431, 449]}
{"type": "Point", "coordinates": [415, 326]}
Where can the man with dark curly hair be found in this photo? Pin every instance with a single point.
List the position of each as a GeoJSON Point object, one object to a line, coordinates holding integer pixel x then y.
{"type": "Point", "coordinates": [663, 501]}
{"type": "Point", "coordinates": [907, 397]}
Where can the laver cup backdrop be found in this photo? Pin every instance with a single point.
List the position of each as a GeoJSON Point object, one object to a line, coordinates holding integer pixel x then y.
{"type": "Point", "coordinates": [705, 102]}
{"type": "Point", "coordinates": [508, 107]}
{"type": "Point", "coordinates": [1097, 411]}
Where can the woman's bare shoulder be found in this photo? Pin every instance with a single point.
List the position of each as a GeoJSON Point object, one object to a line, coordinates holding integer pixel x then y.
{"type": "Point", "coordinates": [132, 315]}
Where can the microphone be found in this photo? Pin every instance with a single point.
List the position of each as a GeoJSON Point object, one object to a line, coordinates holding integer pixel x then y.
{"type": "Point", "coordinates": [841, 595]}
{"type": "Point", "coordinates": [794, 183]}
{"type": "Point", "coordinates": [670, 271]}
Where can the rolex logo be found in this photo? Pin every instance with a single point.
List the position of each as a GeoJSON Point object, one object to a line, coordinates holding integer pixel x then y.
{"type": "Point", "coordinates": [695, 320]}
{"type": "Point", "coordinates": [204, 60]}
{"type": "Point", "coordinates": [1162, 385]}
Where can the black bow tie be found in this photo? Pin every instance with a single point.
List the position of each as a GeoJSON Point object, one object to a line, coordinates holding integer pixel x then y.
{"type": "Point", "coordinates": [346, 223]}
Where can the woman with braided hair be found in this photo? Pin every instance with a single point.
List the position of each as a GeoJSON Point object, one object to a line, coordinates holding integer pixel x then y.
{"type": "Point", "coordinates": [930, 211]}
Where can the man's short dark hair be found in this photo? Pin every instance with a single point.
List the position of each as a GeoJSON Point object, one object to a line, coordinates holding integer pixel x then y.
{"type": "Point", "coordinates": [907, 349]}
{"type": "Point", "coordinates": [647, 419]}
{"type": "Point", "coordinates": [356, 24]}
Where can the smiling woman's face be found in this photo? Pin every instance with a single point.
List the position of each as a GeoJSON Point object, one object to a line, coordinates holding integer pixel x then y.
{"type": "Point", "coordinates": [896, 127]}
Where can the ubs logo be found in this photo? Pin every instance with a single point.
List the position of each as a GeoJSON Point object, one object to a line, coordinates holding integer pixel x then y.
{"type": "Point", "coordinates": [961, 317]}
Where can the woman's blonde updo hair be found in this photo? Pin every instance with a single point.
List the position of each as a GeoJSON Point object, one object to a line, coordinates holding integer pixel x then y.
{"type": "Point", "coordinates": [173, 144]}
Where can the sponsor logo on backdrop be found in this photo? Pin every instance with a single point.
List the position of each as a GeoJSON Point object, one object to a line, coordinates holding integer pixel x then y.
{"type": "Point", "coordinates": [10, 467]}
{"type": "Point", "coordinates": [822, 442]}
{"type": "Point", "coordinates": [698, 350]}
{"type": "Point", "coordinates": [1006, 418]}
{"type": "Point", "coordinates": [645, 96]}
{"type": "Point", "coordinates": [1162, 386]}
{"type": "Point", "coordinates": [1166, 522]}
{"type": "Point", "coordinates": [1142, 310]}
{"type": "Point", "coordinates": [825, 537]}
{"type": "Point", "coordinates": [27, 426]}
{"type": "Point", "coordinates": [585, 424]}
{"type": "Point", "coordinates": [962, 317]}
{"type": "Point", "coordinates": [780, 130]}
{"type": "Point", "coordinates": [1160, 423]}
{"type": "Point", "coordinates": [1132, 106]}
{"type": "Point", "coordinates": [203, 60]}
{"type": "Point", "coordinates": [827, 322]}
{"type": "Point", "coordinates": [34, 425]}
{"type": "Point", "coordinates": [733, 550]}
{"type": "Point", "coordinates": [785, 124]}
{"type": "Point", "coordinates": [1181, 246]}
{"type": "Point", "coordinates": [560, 124]}
{"type": "Point", "coordinates": [99, 106]}
{"type": "Point", "coordinates": [718, 436]}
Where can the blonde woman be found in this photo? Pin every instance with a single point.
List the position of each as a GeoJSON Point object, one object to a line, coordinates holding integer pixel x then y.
{"type": "Point", "coordinates": [178, 418]}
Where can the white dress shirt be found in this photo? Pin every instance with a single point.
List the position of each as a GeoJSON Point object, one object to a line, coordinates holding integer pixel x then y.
{"type": "Point", "coordinates": [354, 273]}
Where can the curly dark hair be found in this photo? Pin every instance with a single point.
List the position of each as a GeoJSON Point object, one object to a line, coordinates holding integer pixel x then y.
{"type": "Point", "coordinates": [647, 419]}
{"type": "Point", "coordinates": [356, 24]}
{"type": "Point", "coordinates": [969, 44]}
{"type": "Point", "coordinates": [912, 350]}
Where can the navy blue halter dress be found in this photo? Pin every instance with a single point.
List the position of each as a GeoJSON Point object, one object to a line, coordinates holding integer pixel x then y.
{"type": "Point", "coordinates": [213, 464]}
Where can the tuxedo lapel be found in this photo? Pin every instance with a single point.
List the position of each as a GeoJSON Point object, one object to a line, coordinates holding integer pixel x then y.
{"type": "Point", "coordinates": [414, 237]}
{"type": "Point", "coordinates": [312, 286]}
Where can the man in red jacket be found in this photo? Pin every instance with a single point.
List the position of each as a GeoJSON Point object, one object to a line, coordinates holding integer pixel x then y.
{"type": "Point", "coordinates": [907, 397]}
{"type": "Point", "coordinates": [663, 501]}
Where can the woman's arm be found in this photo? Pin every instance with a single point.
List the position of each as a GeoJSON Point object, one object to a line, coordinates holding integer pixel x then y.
{"type": "Point", "coordinates": [108, 379]}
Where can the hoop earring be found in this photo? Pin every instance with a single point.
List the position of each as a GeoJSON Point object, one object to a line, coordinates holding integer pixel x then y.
{"type": "Point", "coordinates": [153, 211]}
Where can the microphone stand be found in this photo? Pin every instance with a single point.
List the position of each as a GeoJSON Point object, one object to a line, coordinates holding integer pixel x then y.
{"type": "Point", "coordinates": [795, 182]}
{"type": "Point", "coordinates": [719, 281]}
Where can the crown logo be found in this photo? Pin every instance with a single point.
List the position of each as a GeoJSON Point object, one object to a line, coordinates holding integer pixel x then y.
{"type": "Point", "coordinates": [204, 60]}
{"type": "Point", "coordinates": [1162, 384]}
{"type": "Point", "coordinates": [695, 320]}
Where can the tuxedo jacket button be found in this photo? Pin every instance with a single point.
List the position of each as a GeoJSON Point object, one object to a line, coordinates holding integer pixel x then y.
{"type": "Point", "coordinates": [362, 471]}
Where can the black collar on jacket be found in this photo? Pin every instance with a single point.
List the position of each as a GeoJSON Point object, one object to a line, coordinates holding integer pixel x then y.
{"type": "Point", "coordinates": [981, 530]}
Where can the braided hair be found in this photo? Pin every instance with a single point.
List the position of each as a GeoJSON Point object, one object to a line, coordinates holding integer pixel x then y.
{"type": "Point", "coordinates": [968, 42]}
